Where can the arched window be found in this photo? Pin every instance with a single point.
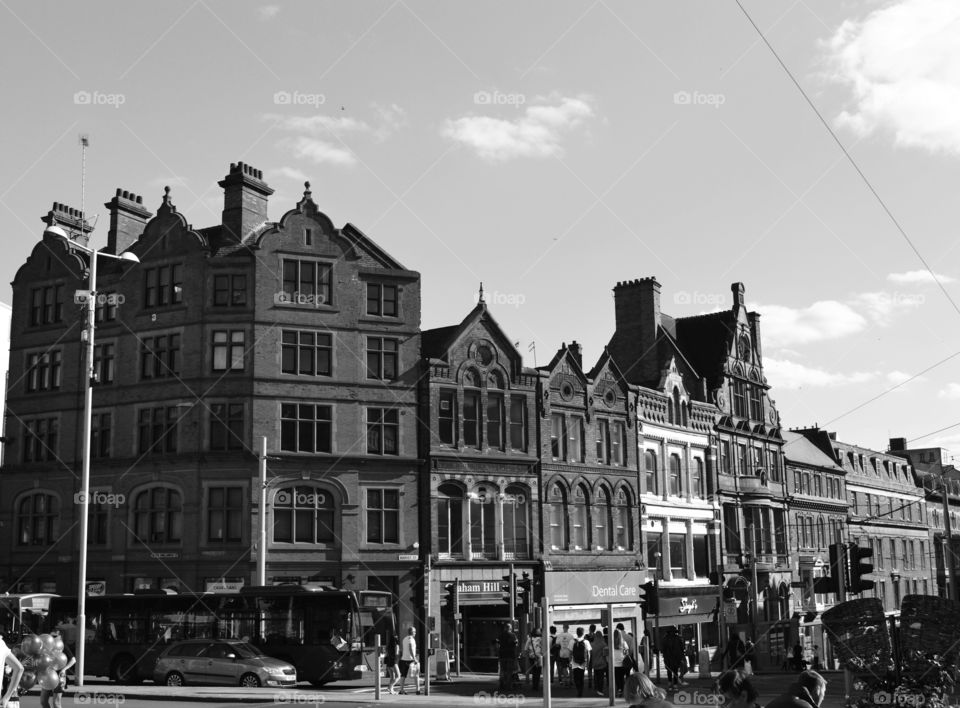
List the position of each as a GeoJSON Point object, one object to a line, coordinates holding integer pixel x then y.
{"type": "Point", "coordinates": [676, 488]}
{"type": "Point", "coordinates": [517, 505]}
{"type": "Point", "coordinates": [303, 514]}
{"type": "Point", "coordinates": [650, 464]}
{"type": "Point", "coordinates": [603, 520]}
{"type": "Point", "coordinates": [158, 515]}
{"type": "Point", "coordinates": [37, 520]}
{"type": "Point", "coordinates": [483, 540]}
{"type": "Point", "coordinates": [450, 520]}
{"type": "Point", "coordinates": [623, 520]}
{"type": "Point", "coordinates": [580, 531]}
{"type": "Point", "coordinates": [821, 533]}
{"type": "Point", "coordinates": [557, 510]}
{"type": "Point", "coordinates": [494, 380]}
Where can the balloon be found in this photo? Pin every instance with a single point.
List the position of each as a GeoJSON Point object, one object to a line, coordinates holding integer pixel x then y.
{"type": "Point", "coordinates": [43, 662]}
{"type": "Point", "coordinates": [57, 644]}
{"type": "Point", "coordinates": [32, 645]}
{"type": "Point", "coordinates": [60, 661]}
{"type": "Point", "coordinates": [49, 679]}
{"type": "Point", "coordinates": [28, 680]}
{"type": "Point", "coordinates": [48, 642]}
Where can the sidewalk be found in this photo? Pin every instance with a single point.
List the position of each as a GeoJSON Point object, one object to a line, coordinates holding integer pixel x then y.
{"type": "Point", "coordinates": [467, 689]}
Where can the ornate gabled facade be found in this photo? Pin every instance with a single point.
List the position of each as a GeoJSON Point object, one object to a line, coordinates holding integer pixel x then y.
{"type": "Point", "coordinates": [724, 367]}
{"type": "Point", "coordinates": [296, 331]}
{"type": "Point", "coordinates": [588, 455]}
{"type": "Point", "coordinates": [480, 491]}
{"type": "Point", "coordinates": [680, 508]}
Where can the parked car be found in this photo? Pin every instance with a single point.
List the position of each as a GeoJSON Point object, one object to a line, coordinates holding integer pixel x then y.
{"type": "Point", "coordinates": [221, 661]}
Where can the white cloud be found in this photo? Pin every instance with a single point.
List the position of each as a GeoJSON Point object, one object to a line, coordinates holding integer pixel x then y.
{"type": "Point", "coordinates": [883, 307]}
{"type": "Point", "coordinates": [919, 277]}
{"type": "Point", "coordinates": [268, 12]}
{"type": "Point", "coordinates": [902, 65]}
{"type": "Point", "coordinates": [538, 132]}
{"type": "Point", "coordinates": [951, 391]}
{"type": "Point", "coordinates": [317, 150]}
{"type": "Point", "coordinates": [790, 375]}
{"type": "Point", "coordinates": [392, 118]}
{"type": "Point", "coordinates": [289, 173]}
{"type": "Point", "coordinates": [827, 319]}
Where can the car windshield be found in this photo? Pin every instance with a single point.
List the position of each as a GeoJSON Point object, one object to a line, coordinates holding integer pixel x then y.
{"type": "Point", "coordinates": [245, 651]}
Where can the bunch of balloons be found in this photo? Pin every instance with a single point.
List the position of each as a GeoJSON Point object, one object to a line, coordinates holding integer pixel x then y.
{"type": "Point", "coordinates": [43, 660]}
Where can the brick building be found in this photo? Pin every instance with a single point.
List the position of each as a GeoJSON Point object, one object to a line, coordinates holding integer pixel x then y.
{"type": "Point", "coordinates": [296, 331]}
{"type": "Point", "coordinates": [481, 489]}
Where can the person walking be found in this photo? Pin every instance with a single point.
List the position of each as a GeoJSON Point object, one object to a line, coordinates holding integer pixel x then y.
{"type": "Point", "coordinates": [554, 652]}
{"type": "Point", "coordinates": [565, 642]}
{"type": "Point", "coordinates": [507, 655]}
{"type": "Point", "coordinates": [390, 661]}
{"type": "Point", "coordinates": [598, 662]}
{"type": "Point", "coordinates": [52, 697]}
{"type": "Point", "coordinates": [673, 657]}
{"type": "Point", "coordinates": [536, 659]}
{"type": "Point", "coordinates": [622, 661]}
{"type": "Point", "coordinates": [579, 660]}
{"type": "Point", "coordinates": [735, 652]}
{"type": "Point", "coordinates": [408, 661]}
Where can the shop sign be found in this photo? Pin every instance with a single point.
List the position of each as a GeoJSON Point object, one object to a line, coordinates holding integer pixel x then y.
{"type": "Point", "coordinates": [224, 585]}
{"type": "Point", "coordinates": [730, 611]}
{"type": "Point", "coordinates": [96, 588]}
{"type": "Point", "coordinates": [481, 592]}
{"type": "Point", "coordinates": [408, 557]}
{"type": "Point", "coordinates": [687, 606]}
{"type": "Point", "coordinates": [594, 587]}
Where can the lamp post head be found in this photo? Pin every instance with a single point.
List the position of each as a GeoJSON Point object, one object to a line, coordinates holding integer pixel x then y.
{"type": "Point", "coordinates": [129, 256]}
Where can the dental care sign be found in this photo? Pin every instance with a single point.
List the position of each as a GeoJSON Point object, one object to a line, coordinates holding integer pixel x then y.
{"type": "Point", "coordinates": [594, 587]}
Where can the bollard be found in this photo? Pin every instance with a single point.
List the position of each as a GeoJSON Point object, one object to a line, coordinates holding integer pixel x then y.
{"type": "Point", "coordinates": [376, 668]}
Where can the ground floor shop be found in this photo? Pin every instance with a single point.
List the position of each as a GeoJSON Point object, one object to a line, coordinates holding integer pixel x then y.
{"type": "Point", "coordinates": [691, 611]}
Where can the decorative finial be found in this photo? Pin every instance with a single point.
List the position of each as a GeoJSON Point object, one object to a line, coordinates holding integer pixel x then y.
{"type": "Point", "coordinates": [480, 299]}
{"type": "Point", "coordinates": [306, 190]}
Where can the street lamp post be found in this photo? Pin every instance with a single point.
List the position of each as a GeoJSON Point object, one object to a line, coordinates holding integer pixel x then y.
{"type": "Point", "coordinates": [88, 334]}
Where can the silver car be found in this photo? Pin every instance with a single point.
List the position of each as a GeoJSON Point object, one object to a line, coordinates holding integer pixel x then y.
{"type": "Point", "coordinates": [221, 661]}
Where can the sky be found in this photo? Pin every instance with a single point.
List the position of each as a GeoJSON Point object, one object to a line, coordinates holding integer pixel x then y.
{"type": "Point", "coordinates": [550, 149]}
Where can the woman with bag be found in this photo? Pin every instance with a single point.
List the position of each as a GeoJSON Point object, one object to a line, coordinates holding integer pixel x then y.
{"type": "Point", "coordinates": [390, 661]}
{"type": "Point", "coordinates": [622, 662]}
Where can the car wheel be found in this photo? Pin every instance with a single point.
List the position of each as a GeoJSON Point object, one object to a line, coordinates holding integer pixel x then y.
{"type": "Point", "coordinates": [123, 670]}
{"type": "Point", "coordinates": [250, 681]}
{"type": "Point", "coordinates": [175, 678]}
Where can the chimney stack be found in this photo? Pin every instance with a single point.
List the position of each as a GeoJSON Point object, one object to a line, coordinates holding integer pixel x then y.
{"type": "Point", "coordinates": [244, 201]}
{"type": "Point", "coordinates": [637, 313]}
{"type": "Point", "coordinates": [577, 350]}
{"type": "Point", "coordinates": [69, 220]}
{"type": "Point", "coordinates": [128, 217]}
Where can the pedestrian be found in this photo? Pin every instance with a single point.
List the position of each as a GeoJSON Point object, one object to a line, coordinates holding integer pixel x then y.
{"type": "Point", "coordinates": [737, 690]}
{"type": "Point", "coordinates": [507, 656]}
{"type": "Point", "coordinates": [408, 661]}
{"type": "Point", "coordinates": [390, 661]}
{"type": "Point", "coordinates": [735, 651]}
{"type": "Point", "coordinates": [579, 660]}
{"type": "Point", "coordinates": [51, 698]}
{"type": "Point", "coordinates": [673, 657]}
{"type": "Point", "coordinates": [598, 662]}
{"type": "Point", "coordinates": [554, 652]}
{"type": "Point", "coordinates": [815, 664]}
{"type": "Point", "coordinates": [11, 683]}
{"type": "Point", "coordinates": [565, 642]}
{"type": "Point", "coordinates": [536, 660]}
{"type": "Point", "coordinates": [640, 691]}
{"type": "Point", "coordinates": [590, 635]}
{"type": "Point", "coordinates": [808, 692]}
{"type": "Point", "coordinates": [622, 663]}
{"type": "Point", "coordinates": [798, 663]}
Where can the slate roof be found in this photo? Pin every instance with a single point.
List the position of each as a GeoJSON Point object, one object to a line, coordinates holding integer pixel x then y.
{"type": "Point", "coordinates": [798, 449]}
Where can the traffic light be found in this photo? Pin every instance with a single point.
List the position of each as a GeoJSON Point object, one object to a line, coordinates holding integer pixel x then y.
{"type": "Point", "coordinates": [650, 602]}
{"type": "Point", "coordinates": [856, 583]}
{"type": "Point", "coordinates": [453, 596]}
{"type": "Point", "coordinates": [525, 592]}
{"type": "Point", "coordinates": [510, 587]}
{"type": "Point", "coordinates": [838, 569]}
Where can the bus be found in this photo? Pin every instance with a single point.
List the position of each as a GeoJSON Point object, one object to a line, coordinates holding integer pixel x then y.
{"type": "Point", "coordinates": [23, 614]}
{"type": "Point", "coordinates": [324, 632]}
